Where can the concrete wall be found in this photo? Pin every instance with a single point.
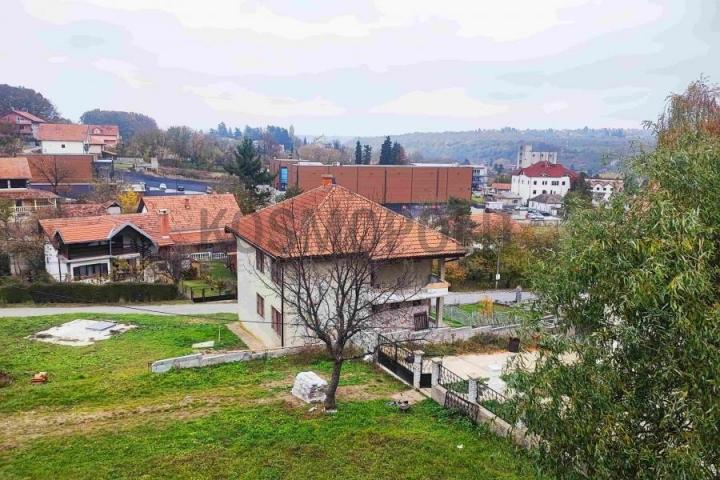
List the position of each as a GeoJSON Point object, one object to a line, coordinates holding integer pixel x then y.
{"type": "Point", "coordinates": [54, 147]}
{"type": "Point", "coordinates": [206, 359]}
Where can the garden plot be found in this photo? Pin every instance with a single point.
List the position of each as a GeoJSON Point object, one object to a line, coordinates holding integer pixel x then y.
{"type": "Point", "coordinates": [81, 333]}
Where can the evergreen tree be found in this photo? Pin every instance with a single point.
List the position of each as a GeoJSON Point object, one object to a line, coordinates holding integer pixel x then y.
{"type": "Point", "coordinates": [222, 130]}
{"type": "Point", "coordinates": [386, 154]}
{"type": "Point", "coordinates": [398, 154]}
{"type": "Point", "coordinates": [358, 153]}
{"type": "Point", "coordinates": [367, 155]}
{"type": "Point", "coordinates": [246, 165]}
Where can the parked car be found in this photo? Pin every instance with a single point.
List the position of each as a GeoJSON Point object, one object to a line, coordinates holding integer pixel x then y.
{"type": "Point", "coordinates": [180, 188]}
{"type": "Point", "coordinates": [162, 186]}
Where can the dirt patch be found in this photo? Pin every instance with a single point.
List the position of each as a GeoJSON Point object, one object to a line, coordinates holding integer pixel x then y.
{"type": "Point", "coordinates": [5, 379]}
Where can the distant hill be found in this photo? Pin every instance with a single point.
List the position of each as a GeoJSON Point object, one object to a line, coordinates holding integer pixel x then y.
{"type": "Point", "coordinates": [589, 150]}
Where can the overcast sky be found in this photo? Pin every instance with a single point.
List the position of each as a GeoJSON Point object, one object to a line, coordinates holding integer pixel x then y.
{"type": "Point", "coordinates": [354, 67]}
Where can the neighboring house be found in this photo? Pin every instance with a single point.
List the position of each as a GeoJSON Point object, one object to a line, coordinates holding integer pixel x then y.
{"type": "Point", "coordinates": [26, 124]}
{"type": "Point", "coordinates": [15, 184]}
{"type": "Point", "coordinates": [527, 157]}
{"type": "Point", "coordinates": [547, 203]}
{"type": "Point", "coordinates": [261, 260]}
{"type": "Point", "coordinates": [541, 178]}
{"type": "Point", "coordinates": [89, 209]}
{"type": "Point", "coordinates": [604, 186]}
{"type": "Point", "coordinates": [81, 248]}
{"type": "Point", "coordinates": [68, 175]}
{"type": "Point", "coordinates": [479, 177]}
{"type": "Point", "coordinates": [497, 187]}
{"type": "Point", "coordinates": [67, 139]}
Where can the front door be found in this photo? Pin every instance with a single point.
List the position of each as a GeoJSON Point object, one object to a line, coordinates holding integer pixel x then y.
{"type": "Point", "coordinates": [421, 321]}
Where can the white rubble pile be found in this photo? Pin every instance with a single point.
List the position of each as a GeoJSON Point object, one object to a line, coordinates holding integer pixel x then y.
{"type": "Point", "coordinates": [81, 333]}
{"type": "Point", "coordinates": [309, 387]}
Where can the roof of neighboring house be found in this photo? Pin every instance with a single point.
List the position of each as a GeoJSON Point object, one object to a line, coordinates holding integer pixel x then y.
{"type": "Point", "coordinates": [309, 217]}
{"type": "Point", "coordinates": [200, 220]}
{"type": "Point", "coordinates": [28, 115]}
{"type": "Point", "coordinates": [14, 168]}
{"type": "Point", "coordinates": [492, 222]}
{"type": "Point", "coordinates": [193, 213]}
{"type": "Point", "coordinates": [501, 186]}
{"type": "Point", "coordinates": [66, 168]}
{"type": "Point", "coordinates": [546, 169]}
{"type": "Point", "coordinates": [86, 209]}
{"type": "Point", "coordinates": [111, 130]}
{"type": "Point", "coordinates": [62, 132]}
{"type": "Point", "coordinates": [27, 194]}
{"type": "Point", "coordinates": [548, 198]}
{"type": "Point", "coordinates": [103, 227]}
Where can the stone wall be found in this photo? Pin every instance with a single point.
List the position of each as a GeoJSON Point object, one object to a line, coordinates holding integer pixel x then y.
{"type": "Point", "coordinates": [207, 359]}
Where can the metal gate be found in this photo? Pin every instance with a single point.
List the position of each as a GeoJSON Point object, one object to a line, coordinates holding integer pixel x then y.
{"type": "Point", "coordinates": [399, 360]}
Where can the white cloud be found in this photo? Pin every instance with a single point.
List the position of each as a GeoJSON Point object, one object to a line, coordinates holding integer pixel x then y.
{"type": "Point", "coordinates": [445, 102]}
{"type": "Point", "coordinates": [58, 59]}
{"type": "Point", "coordinates": [124, 70]}
{"type": "Point", "coordinates": [229, 97]}
{"type": "Point", "coordinates": [552, 107]}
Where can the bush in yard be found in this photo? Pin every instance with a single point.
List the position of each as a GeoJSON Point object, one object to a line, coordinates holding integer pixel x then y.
{"type": "Point", "coordinates": [87, 293]}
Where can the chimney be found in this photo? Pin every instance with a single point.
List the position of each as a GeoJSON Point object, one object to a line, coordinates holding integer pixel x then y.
{"type": "Point", "coordinates": [164, 222]}
{"type": "Point", "coordinates": [327, 180]}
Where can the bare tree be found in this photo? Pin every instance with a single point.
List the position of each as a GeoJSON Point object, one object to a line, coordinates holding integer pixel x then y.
{"type": "Point", "coordinates": [53, 172]}
{"type": "Point", "coordinates": [339, 270]}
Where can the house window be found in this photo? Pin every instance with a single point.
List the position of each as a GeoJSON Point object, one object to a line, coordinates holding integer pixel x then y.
{"type": "Point", "coordinates": [62, 145]}
{"type": "Point", "coordinates": [260, 305]}
{"type": "Point", "coordinates": [260, 261]}
{"type": "Point", "coordinates": [563, 182]}
{"type": "Point", "coordinates": [420, 321]}
{"type": "Point", "coordinates": [94, 270]}
{"type": "Point", "coordinates": [276, 321]}
{"type": "Point", "coordinates": [544, 182]}
{"type": "Point", "coordinates": [275, 272]}
{"type": "Point", "coordinates": [534, 192]}
{"type": "Point", "coordinates": [534, 182]}
{"type": "Point", "coordinates": [555, 182]}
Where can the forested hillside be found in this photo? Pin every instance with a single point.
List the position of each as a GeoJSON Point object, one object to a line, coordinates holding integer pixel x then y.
{"type": "Point", "coordinates": [588, 150]}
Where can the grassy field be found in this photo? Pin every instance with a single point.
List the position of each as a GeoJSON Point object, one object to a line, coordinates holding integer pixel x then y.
{"type": "Point", "coordinates": [103, 415]}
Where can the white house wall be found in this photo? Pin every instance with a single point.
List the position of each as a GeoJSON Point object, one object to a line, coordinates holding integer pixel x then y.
{"type": "Point", "coordinates": [529, 187]}
{"type": "Point", "coordinates": [53, 147]}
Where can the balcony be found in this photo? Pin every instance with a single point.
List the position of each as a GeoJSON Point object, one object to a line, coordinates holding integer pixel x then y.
{"type": "Point", "coordinates": [99, 251]}
{"type": "Point", "coordinates": [434, 288]}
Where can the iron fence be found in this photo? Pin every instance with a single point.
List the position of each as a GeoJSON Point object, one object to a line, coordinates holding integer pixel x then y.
{"type": "Point", "coordinates": [454, 382]}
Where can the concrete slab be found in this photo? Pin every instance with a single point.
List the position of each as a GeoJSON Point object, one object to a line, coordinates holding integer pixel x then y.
{"type": "Point", "coordinates": [80, 333]}
{"type": "Point", "coordinates": [486, 365]}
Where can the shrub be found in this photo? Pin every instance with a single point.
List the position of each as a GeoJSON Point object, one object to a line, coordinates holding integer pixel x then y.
{"type": "Point", "coordinates": [87, 293]}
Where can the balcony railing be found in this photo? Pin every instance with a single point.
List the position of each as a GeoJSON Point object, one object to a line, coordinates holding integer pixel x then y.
{"type": "Point", "coordinates": [24, 210]}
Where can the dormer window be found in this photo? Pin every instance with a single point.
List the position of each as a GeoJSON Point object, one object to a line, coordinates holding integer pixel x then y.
{"type": "Point", "coordinates": [96, 131]}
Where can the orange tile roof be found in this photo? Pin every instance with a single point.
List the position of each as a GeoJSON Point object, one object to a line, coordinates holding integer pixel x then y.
{"type": "Point", "coordinates": [195, 212]}
{"type": "Point", "coordinates": [62, 131]}
{"type": "Point", "coordinates": [493, 222]}
{"type": "Point", "coordinates": [28, 194]}
{"type": "Point", "coordinates": [85, 209]}
{"type": "Point", "coordinates": [502, 186]}
{"type": "Point", "coordinates": [106, 130]}
{"type": "Point", "coordinates": [14, 168]}
{"type": "Point", "coordinates": [27, 115]}
{"type": "Point", "coordinates": [201, 219]}
{"type": "Point", "coordinates": [305, 224]}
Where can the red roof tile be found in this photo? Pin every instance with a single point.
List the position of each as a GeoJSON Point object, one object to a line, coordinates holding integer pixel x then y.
{"type": "Point", "coordinates": [27, 194]}
{"type": "Point", "coordinates": [28, 115]}
{"type": "Point", "coordinates": [92, 229]}
{"type": "Point", "coordinates": [303, 225]}
{"type": "Point", "coordinates": [67, 168]}
{"type": "Point", "coordinates": [545, 169]}
{"type": "Point", "coordinates": [62, 131]}
{"type": "Point", "coordinates": [195, 212]}
{"type": "Point", "coordinates": [14, 168]}
{"type": "Point", "coordinates": [502, 186]}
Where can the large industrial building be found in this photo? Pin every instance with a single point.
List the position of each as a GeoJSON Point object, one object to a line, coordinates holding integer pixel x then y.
{"type": "Point", "coordinates": [386, 184]}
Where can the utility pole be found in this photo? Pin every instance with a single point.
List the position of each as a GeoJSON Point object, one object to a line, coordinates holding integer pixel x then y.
{"type": "Point", "coordinates": [497, 268]}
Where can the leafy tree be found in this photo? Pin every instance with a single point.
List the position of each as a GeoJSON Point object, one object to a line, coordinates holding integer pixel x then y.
{"type": "Point", "coordinates": [634, 392]}
{"type": "Point", "coordinates": [457, 221]}
{"type": "Point", "coordinates": [28, 100]}
{"type": "Point", "coordinates": [367, 155]}
{"type": "Point", "coordinates": [292, 191]}
{"type": "Point", "coordinates": [11, 141]}
{"type": "Point", "coordinates": [128, 201]}
{"type": "Point", "coordinates": [386, 155]}
{"type": "Point", "coordinates": [358, 153]}
{"type": "Point", "coordinates": [246, 165]}
{"type": "Point", "coordinates": [129, 123]}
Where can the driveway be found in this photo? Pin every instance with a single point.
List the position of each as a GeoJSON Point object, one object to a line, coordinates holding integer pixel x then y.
{"type": "Point", "coordinates": [486, 365]}
{"type": "Point", "coordinates": [461, 298]}
{"type": "Point", "coordinates": [168, 309]}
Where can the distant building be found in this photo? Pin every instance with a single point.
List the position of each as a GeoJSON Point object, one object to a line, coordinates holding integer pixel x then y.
{"type": "Point", "coordinates": [385, 184]}
{"type": "Point", "coordinates": [25, 123]}
{"type": "Point", "coordinates": [479, 177]}
{"type": "Point", "coordinates": [547, 203]}
{"type": "Point", "coordinates": [527, 157]}
{"type": "Point", "coordinates": [66, 139]}
{"type": "Point", "coordinates": [541, 178]}
{"type": "Point", "coordinates": [604, 186]}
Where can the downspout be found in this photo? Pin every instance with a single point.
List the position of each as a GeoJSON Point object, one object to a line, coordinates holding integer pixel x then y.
{"type": "Point", "coordinates": [282, 306]}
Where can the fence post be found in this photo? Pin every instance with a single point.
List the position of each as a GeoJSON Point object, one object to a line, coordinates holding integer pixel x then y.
{"type": "Point", "coordinates": [472, 389]}
{"type": "Point", "coordinates": [417, 367]}
{"type": "Point", "coordinates": [435, 371]}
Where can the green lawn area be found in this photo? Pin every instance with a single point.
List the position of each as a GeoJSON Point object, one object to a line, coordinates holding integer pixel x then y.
{"type": "Point", "coordinates": [217, 271]}
{"type": "Point", "coordinates": [104, 415]}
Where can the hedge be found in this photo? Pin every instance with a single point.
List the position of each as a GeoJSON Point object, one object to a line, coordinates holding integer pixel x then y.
{"type": "Point", "coordinates": [88, 293]}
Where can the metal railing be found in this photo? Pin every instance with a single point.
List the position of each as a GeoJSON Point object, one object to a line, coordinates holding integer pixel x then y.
{"type": "Point", "coordinates": [451, 381]}
{"type": "Point", "coordinates": [207, 256]}
{"type": "Point", "coordinates": [485, 394]}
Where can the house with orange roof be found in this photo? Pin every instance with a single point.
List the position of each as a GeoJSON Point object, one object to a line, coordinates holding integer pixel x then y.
{"type": "Point", "coordinates": [68, 139]}
{"type": "Point", "coordinates": [270, 240]}
{"type": "Point", "coordinates": [25, 123]}
{"type": "Point", "coordinates": [15, 181]}
{"type": "Point", "coordinates": [542, 178]}
{"type": "Point", "coordinates": [86, 248]}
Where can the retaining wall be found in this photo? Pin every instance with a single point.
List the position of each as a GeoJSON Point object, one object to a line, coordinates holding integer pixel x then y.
{"type": "Point", "coordinates": [207, 359]}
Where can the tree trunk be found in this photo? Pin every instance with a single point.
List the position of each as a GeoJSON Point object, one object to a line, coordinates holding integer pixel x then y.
{"type": "Point", "coordinates": [333, 385]}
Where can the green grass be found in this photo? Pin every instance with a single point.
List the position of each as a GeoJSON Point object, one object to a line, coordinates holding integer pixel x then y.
{"type": "Point", "coordinates": [216, 271]}
{"type": "Point", "coordinates": [227, 421]}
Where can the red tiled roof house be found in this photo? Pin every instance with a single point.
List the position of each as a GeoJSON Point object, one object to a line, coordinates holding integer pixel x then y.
{"type": "Point", "coordinates": [81, 248]}
{"type": "Point", "coordinates": [542, 178]}
{"type": "Point", "coordinates": [25, 123]}
{"type": "Point", "coordinates": [15, 177]}
{"type": "Point", "coordinates": [264, 253]}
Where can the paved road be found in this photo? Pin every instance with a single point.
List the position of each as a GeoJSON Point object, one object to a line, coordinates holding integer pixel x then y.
{"type": "Point", "coordinates": [459, 298]}
{"type": "Point", "coordinates": [169, 309]}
